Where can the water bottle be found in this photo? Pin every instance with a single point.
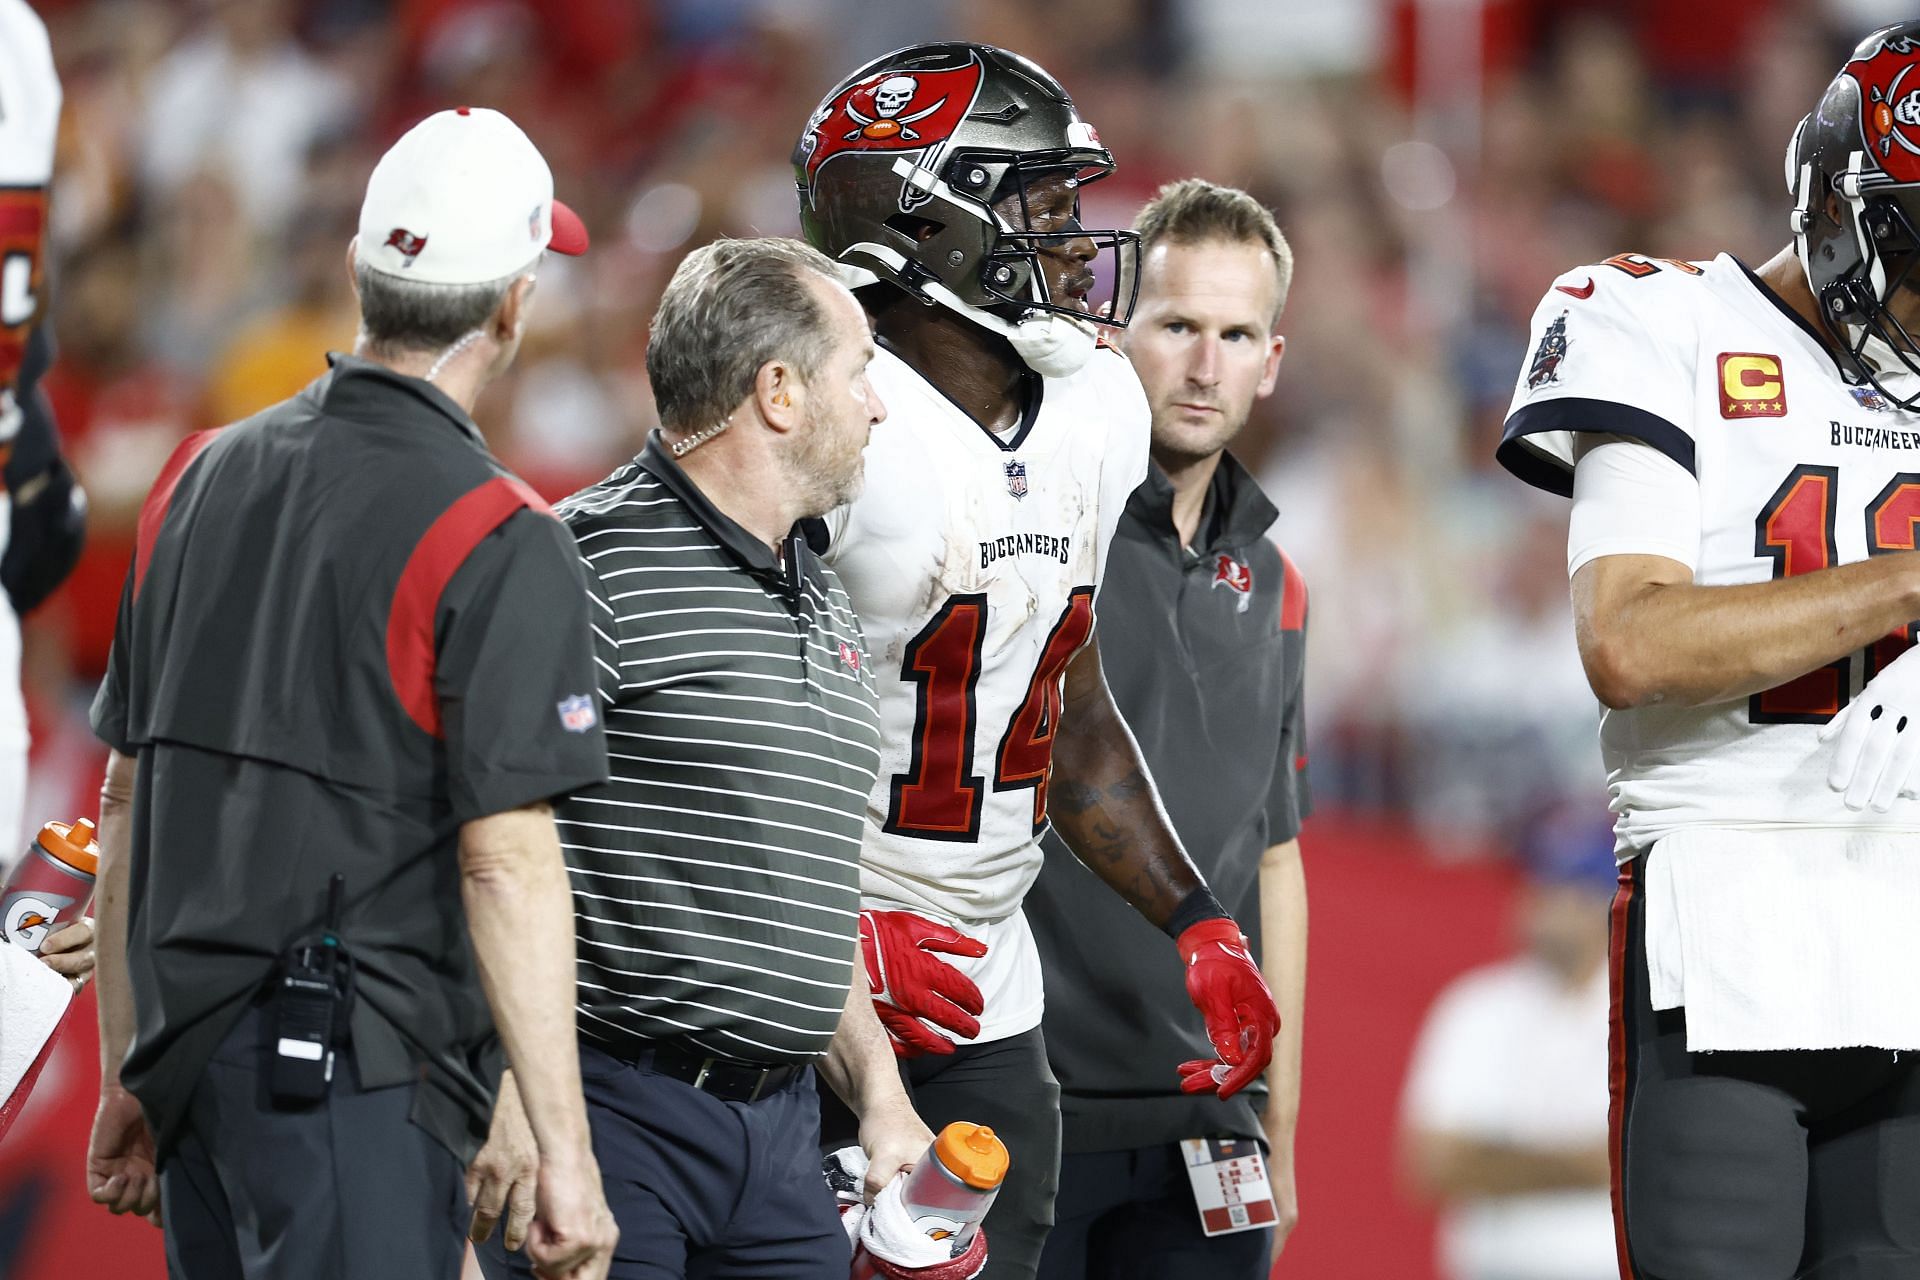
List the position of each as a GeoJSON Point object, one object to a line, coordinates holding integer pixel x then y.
{"type": "Point", "coordinates": [950, 1191]}
{"type": "Point", "coordinates": [51, 886]}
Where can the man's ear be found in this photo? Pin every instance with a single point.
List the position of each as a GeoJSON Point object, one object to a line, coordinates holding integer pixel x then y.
{"type": "Point", "coordinates": [353, 256]}
{"type": "Point", "coordinates": [515, 309]}
{"type": "Point", "coordinates": [1277, 349]}
{"type": "Point", "coordinates": [779, 395]}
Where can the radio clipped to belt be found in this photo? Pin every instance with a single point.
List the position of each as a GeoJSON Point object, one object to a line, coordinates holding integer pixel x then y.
{"type": "Point", "coordinates": [310, 1005]}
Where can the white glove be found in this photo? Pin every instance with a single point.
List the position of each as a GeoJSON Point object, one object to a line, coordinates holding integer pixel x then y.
{"type": "Point", "coordinates": [1878, 748]}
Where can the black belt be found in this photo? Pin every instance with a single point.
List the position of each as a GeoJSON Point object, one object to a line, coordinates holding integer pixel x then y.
{"type": "Point", "coordinates": [725, 1079]}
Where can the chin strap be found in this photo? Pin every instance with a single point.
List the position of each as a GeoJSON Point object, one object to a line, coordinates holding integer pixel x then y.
{"type": "Point", "coordinates": [1051, 344]}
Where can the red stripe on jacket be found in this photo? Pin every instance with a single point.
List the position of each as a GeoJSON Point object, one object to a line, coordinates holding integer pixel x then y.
{"type": "Point", "coordinates": [1293, 594]}
{"type": "Point", "coordinates": [442, 549]}
{"type": "Point", "coordinates": [153, 512]}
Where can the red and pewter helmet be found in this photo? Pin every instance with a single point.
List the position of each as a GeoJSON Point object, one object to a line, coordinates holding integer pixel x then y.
{"type": "Point", "coordinates": [1853, 168]}
{"type": "Point", "coordinates": [899, 169]}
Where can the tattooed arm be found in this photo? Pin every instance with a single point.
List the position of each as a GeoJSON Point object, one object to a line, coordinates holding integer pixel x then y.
{"type": "Point", "coordinates": [1104, 805]}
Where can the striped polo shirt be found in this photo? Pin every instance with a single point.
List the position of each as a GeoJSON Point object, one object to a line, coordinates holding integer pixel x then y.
{"type": "Point", "coordinates": [716, 875]}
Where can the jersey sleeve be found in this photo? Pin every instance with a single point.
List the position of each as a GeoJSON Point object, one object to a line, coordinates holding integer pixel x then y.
{"type": "Point", "coordinates": [1289, 799]}
{"type": "Point", "coordinates": [1129, 445]}
{"type": "Point", "coordinates": [1612, 352]}
{"type": "Point", "coordinates": [1631, 500]}
{"type": "Point", "coordinates": [29, 124]}
{"type": "Point", "coordinates": [515, 671]}
{"type": "Point", "coordinates": [109, 715]}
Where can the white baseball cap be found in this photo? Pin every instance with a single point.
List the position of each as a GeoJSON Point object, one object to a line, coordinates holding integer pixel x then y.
{"type": "Point", "coordinates": [464, 197]}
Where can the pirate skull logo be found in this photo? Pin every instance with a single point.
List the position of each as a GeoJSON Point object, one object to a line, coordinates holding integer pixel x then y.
{"type": "Point", "coordinates": [891, 97]}
{"type": "Point", "coordinates": [1890, 107]}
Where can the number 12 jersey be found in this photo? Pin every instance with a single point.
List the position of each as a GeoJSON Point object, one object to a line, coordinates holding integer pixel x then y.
{"type": "Point", "coordinates": [1797, 470]}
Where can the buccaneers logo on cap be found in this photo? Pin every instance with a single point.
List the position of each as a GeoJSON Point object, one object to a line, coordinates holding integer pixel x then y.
{"type": "Point", "coordinates": [1890, 107]}
{"type": "Point", "coordinates": [891, 111]}
{"type": "Point", "coordinates": [407, 243]}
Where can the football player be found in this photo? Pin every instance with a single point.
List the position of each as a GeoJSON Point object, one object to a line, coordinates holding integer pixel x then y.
{"type": "Point", "coordinates": [946, 178]}
{"type": "Point", "coordinates": [1742, 450]}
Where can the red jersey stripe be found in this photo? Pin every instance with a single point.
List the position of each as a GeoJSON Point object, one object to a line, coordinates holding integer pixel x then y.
{"type": "Point", "coordinates": [1617, 1049]}
{"type": "Point", "coordinates": [153, 512]}
{"type": "Point", "coordinates": [442, 549]}
{"type": "Point", "coordinates": [1293, 594]}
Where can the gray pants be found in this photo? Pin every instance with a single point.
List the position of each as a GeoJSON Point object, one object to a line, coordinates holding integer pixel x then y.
{"type": "Point", "coordinates": [347, 1189]}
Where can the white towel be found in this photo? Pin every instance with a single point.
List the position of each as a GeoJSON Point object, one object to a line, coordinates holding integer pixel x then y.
{"type": "Point", "coordinates": [887, 1242]}
{"type": "Point", "coordinates": [33, 999]}
{"type": "Point", "coordinates": [1778, 938]}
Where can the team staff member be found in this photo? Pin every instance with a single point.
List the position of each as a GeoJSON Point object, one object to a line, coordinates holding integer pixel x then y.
{"type": "Point", "coordinates": [716, 876]}
{"type": "Point", "coordinates": [1203, 633]}
{"type": "Point", "coordinates": [352, 651]}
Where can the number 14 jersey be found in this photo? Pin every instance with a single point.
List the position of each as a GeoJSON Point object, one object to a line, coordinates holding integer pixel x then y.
{"type": "Point", "coordinates": [973, 560]}
{"type": "Point", "coordinates": [1798, 471]}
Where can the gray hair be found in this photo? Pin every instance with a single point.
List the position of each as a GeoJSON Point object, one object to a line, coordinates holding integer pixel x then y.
{"type": "Point", "coordinates": [397, 314]}
{"type": "Point", "coordinates": [731, 307]}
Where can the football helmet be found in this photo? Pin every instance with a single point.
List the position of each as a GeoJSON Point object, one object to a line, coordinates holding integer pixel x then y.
{"type": "Point", "coordinates": [899, 170]}
{"type": "Point", "coordinates": [1853, 167]}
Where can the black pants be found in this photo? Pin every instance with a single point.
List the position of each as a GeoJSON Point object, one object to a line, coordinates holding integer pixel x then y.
{"type": "Point", "coordinates": [1754, 1166]}
{"type": "Point", "coordinates": [701, 1188]}
{"type": "Point", "coordinates": [347, 1189]}
{"type": "Point", "coordinates": [1130, 1215]}
{"type": "Point", "coordinates": [1005, 1084]}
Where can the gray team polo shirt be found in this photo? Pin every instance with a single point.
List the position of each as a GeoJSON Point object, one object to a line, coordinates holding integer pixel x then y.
{"type": "Point", "coordinates": [1204, 650]}
{"type": "Point", "coordinates": [716, 873]}
{"type": "Point", "coordinates": [347, 631]}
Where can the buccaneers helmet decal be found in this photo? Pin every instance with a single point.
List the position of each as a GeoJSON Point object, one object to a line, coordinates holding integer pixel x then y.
{"type": "Point", "coordinates": [894, 110]}
{"type": "Point", "coordinates": [1889, 83]}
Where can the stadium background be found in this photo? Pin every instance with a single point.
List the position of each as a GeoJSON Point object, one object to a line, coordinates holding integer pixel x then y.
{"type": "Point", "coordinates": [1434, 163]}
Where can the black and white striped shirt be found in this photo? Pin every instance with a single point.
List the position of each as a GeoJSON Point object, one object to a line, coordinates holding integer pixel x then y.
{"type": "Point", "coordinates": [716, 876]}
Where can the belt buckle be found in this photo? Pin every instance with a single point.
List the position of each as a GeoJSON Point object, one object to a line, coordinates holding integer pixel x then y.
{"type": "Point", "coordinates": [759, 1083]}
{"type": "Point", "coordinates": [700, 1076]}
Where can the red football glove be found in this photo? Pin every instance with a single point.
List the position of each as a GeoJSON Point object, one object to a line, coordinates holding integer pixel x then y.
{"type": "Point", "coordinates": [1225, 985]}
{"type": "Point", "coordinates": [909, 984]}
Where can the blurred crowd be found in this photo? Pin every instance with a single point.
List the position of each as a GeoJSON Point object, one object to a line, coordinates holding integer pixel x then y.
{"type": "Point", "coordinates": [1434, 162]}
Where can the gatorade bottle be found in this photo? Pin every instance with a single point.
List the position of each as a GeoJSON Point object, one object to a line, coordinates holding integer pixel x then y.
{"type": "Point", "coordinates": [950, 1191]}
{"type": "Point", "coordinates": [51, 886]}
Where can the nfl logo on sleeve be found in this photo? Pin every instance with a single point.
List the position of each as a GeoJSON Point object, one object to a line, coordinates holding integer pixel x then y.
{"type": "Point", "coordinates": [577, 714]}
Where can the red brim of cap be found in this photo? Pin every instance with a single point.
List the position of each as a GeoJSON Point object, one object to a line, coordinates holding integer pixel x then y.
{"type": "Point", "coordinates": [569, 233]}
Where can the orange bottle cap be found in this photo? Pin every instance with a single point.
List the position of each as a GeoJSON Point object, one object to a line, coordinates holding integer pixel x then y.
{"type": "Point", "coordinates": [972, 1154]}
{"type": "Point", "coordinates": [73, 845]}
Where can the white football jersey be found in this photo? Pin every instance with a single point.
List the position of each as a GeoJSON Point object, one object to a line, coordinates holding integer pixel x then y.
{"type": "Point", "coordinates": [1797, 471]}
{"type": "Point", "coordinates": [974, 560]}
{"type": "Point", "coordinates": [29, 126]}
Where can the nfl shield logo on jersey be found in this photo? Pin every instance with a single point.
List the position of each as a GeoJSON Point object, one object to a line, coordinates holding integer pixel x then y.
{"type": "Point", "coordinates": [577, 714]}
{"type": "Point", "coordinates": [1017, 478]}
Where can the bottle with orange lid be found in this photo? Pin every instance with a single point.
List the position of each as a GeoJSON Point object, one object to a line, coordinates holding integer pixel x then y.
{"type": "Point", "coordinates": [50, 888]}
{"type": "Point", "coordinates": [950, 1191]}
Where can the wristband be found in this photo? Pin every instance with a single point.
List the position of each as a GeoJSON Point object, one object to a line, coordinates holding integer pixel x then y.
{"type": "Point", "coordinates": [1195, 907]}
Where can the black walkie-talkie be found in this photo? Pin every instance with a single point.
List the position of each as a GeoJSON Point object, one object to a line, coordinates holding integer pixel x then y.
{"type": "Point", "coordinates": [316, 984]}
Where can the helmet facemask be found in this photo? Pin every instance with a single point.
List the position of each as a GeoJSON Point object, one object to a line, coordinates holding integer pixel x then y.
{"type": "Point", "coordinates": [1855, 304]}
{"type": "Point", "coordinates": [1853, 167]}
{"type": "Point", "coordinates": [968, 213]}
